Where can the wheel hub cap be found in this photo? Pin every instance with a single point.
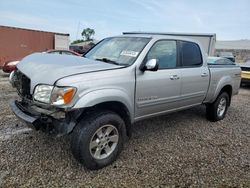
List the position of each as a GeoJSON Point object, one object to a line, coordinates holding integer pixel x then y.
{"type": "Point", "coordinates": [104, 142]}
{"type": "Point", "coordinates": [221, 107]}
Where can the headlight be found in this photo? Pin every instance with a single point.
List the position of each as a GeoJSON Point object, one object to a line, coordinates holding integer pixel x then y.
{"type": "Point", "coordinates": [62, 95]}
{"type": "Point", "coordinates": [42, 93]}
{"type": "Point", "coordinates": [54, 95]}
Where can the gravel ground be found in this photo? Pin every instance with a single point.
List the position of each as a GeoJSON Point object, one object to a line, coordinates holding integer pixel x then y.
{"type": "Point", "coordinates": [177, 150]}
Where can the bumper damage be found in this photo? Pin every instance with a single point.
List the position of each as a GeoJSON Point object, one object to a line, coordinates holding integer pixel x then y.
{"type": "Point", "coordinates": [46, 123]}
{"type": "Point", "coordinates": [20, 114]}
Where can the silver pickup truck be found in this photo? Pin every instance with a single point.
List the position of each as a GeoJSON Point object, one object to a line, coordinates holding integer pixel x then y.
{"type": "Point", "coordinates": [123, 79]}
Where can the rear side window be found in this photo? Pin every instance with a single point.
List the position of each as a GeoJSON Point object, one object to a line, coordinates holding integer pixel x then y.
{"type": "Point", "coordinates": [190, 54]}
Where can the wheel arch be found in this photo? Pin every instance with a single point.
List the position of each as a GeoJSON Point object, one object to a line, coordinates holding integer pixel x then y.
{"type": "Point", "coordinates": [114, 106]}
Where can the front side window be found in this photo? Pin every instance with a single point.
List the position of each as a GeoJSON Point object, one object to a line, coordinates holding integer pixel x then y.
{"type": "Point", "coordinates": [165, 52]}
{"type": "Point", "coordinates": [191, 54]}
{"type": "Point", "coordinates": [118, 50]}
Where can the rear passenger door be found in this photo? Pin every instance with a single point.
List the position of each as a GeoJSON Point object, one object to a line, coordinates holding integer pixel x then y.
{"type": "Point", "coordinates": [194, 73]}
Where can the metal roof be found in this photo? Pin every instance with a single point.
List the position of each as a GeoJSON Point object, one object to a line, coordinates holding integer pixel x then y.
{"type": "Point", "coordinates": [233, 45]}
{"type": "Point", "coordinates": [18, 28]}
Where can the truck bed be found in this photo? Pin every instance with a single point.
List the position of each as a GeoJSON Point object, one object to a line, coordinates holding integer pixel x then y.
{"type": "Point", "coordinates": [220, 74]}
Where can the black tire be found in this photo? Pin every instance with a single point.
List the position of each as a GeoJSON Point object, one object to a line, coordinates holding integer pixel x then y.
{"type": "Point", "coordinates": [212, 109]}
{"type": "Point", "coordinates": [83, 134]}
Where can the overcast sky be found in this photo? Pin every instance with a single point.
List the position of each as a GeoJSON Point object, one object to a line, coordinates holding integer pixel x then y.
{"type": "Point", "coordinates": [229, 19]}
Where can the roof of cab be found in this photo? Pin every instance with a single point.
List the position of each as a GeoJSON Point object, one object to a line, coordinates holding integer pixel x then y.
{"type": "Point", "coordinates": [159, 36]}
{"type": "Point", "coordinates": [172, 34]}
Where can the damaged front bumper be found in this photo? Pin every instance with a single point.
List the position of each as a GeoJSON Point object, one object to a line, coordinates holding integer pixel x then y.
{"type": "Point", "coordinates": [52, 124]}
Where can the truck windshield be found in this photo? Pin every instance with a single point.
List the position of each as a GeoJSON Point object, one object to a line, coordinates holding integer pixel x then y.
{"type": "Point", "coordinates": [118, 50]}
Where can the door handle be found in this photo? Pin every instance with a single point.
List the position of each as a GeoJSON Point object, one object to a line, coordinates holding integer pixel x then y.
{"type": "Point", "coordinates": [204, 74]}
{"type": "Point", "coordinates": [174, 77]}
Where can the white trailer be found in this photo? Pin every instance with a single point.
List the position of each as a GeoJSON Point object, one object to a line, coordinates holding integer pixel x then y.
{"type": "Point", "coordinates": [61, 42]}
{"type": "Point", "coordinates": [207, 40]}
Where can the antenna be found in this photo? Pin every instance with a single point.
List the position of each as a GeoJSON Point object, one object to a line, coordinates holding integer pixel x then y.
{"type": "Point", "coordinates": [77, 29]}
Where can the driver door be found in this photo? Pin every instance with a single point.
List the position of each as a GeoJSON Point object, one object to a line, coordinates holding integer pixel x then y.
{"type": "Point", "coordinates": [158, 92]}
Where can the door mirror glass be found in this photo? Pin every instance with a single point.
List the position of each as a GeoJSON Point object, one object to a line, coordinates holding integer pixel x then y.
{"type": "Point", "coordinates": [151, 65]}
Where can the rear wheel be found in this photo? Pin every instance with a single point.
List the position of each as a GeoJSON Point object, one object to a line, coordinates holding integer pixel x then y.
{"type": "Point", "coordinates": [218, 109]}
{"type": "Point", "coordinates": [98, 139]}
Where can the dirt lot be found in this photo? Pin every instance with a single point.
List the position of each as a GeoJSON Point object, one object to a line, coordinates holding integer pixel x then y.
{"type": "Point", "coordinates": [178, 150]}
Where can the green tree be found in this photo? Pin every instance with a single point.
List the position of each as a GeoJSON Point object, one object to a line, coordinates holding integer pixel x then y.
{"type": "Point", "coordinates": [77, 41]}
{"type": "Point", "coordinates": [87, 34]}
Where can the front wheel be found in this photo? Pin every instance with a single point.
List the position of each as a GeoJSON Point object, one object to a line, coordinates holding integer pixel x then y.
{"type": "Point", "coordinates": [218, 109]}
{"type": "Point", "coordinates": [98, 139]}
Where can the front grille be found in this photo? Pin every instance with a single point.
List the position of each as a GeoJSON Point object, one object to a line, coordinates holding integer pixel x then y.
{"type": "Point", "coordinates": [245, 68]}
{"type": "Point", "coordinates": [22, 84]}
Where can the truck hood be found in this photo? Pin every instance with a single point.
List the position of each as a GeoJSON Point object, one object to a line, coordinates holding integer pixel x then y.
{"type": "Point", "coordinates": [44, 68]}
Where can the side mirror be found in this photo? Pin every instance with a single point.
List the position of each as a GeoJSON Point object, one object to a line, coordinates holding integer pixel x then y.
{"type": "Point", "coordinates": [151, 65]}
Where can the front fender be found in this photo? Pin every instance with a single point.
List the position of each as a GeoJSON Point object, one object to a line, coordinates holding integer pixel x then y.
{"type": "Point", "coordinates": [95, 97]}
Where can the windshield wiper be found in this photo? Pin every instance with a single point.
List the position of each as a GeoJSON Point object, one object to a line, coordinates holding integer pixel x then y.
{"type": "Point", "coordinates": [106, 60]}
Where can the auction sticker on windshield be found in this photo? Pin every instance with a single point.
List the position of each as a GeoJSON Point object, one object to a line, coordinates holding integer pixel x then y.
{"type": "Point", "coordinates": [129, 53]}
